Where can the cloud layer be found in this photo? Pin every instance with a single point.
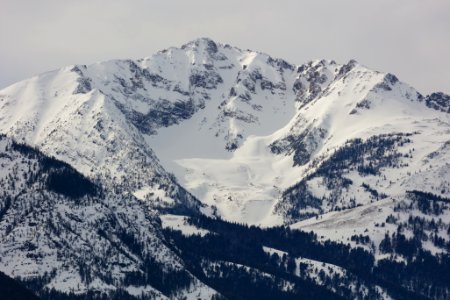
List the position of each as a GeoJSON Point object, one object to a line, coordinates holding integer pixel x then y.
{"type": "Point", "coordinates": [410, 38]}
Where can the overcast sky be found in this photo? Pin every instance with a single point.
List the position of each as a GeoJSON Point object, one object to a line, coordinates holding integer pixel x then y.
{"type": "Point", "coordinates": [410, 38]}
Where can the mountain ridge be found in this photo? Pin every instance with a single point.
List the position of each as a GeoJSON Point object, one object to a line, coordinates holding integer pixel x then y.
{"type": "Point", "coordinates": [122, 111]}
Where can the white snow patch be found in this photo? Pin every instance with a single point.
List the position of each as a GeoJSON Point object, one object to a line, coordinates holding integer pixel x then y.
{"type": "Point", "coordinates": [177, 222]}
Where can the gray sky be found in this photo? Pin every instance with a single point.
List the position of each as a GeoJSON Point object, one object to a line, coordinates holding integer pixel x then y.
{"type": "Point", "coordinates": [410, 38]}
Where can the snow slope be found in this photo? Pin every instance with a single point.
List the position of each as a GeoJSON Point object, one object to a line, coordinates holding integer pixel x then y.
{"type": "Point", "coordinates": [255, 184]}
{"type": "Point", "coordinates": [107, 119]}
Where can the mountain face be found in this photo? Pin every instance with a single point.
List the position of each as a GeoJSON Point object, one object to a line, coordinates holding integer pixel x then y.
{"type": "Point", "coordinates": [206, 111]}
{"type": "Point", "coordinates": [207, 129]}
{"type": "Point", "coordinates": [62, 233]}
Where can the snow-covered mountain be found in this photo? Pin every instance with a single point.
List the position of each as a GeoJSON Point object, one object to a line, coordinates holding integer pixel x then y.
{"type": "Point", "coordinates": [339, 149]}
{"type": "Point", "coordinates": [239, 129]}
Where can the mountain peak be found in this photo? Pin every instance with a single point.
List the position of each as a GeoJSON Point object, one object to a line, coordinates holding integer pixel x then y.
{"type": "Point", "coordinates": [201, 43]}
